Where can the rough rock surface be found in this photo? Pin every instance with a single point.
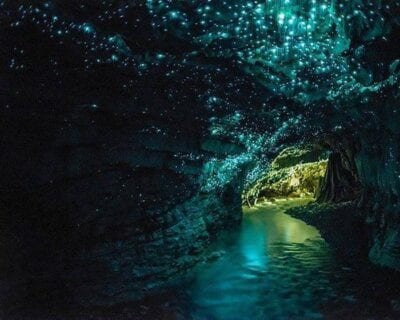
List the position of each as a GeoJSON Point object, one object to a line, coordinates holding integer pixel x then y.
{"type": "Point", "coordinates": [366, 174]}
{"type": "Point", "coordinates": [295, 172]}
{"type": "Point", "coordinates": [111, 216]}
{"type": "Point", "coordinates": [378, 168]}
{"type": "Point", "coordinates": [292, 156]}
{"type": "Point", "coordinates": [340, 224]}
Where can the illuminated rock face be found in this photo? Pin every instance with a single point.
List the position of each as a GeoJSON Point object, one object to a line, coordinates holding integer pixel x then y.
{"type": "Point", "coordinates": [132, 119]}
{"type": "Point", "coordinates": [295, 172]}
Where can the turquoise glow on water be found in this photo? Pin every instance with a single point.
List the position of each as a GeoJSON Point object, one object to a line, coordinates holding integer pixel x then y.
{"type": "Point", "coordinates": [273, 266]}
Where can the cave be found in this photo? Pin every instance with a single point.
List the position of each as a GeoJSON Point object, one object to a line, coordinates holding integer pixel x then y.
{"type": "Point", "coordinates": [166, 159]}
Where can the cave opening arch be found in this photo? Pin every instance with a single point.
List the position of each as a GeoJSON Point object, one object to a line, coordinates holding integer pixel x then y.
{"type": "Point", "coordinates": [325, 171]}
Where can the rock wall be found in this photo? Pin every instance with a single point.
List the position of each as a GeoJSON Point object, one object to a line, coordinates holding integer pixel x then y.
{"type": "Point", "coordinates": [365, 168]}
{"type": "Point", "coordinates": [378, 168]}
{"type": "Point", "coordinates": [363, 177]}
{"type": "Point", "coordinates": [101, 194]}
{"type": "Point", "coordinates": [124, 152]}
{"type": "Point", "coordinates": [340, 182]}
{"type": "Point", "coordinates": [295, 172]}
{"type": "Point", "coordinates": [98, 212]}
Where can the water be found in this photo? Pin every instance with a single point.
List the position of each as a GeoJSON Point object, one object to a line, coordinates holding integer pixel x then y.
{"type": "Point", "coordinates": [271, 267]}
{"type": "Point", "coordinates": [277, 267]}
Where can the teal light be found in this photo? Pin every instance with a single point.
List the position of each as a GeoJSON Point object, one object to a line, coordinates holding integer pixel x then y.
{"type": "Point", "coordinates": [281, 18]}
{"type": "Point", "coordinates": [87, 28]}
{"type": "Point", "coordinates": [174, 14]}
{"type": "Point", "coordinates": [281, 41]}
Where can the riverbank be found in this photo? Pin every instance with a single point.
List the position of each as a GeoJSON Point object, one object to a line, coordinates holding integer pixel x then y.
{"type": "Point", "coordinates": [341, 225]}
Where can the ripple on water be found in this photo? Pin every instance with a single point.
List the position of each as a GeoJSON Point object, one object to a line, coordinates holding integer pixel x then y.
{"type": "Point", "coordinates": [275, 267]}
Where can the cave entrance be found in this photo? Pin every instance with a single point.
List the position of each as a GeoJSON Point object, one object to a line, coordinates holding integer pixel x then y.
{"type": "Point", "coordinates": [297, 172]}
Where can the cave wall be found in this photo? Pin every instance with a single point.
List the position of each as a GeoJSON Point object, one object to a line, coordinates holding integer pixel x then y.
{"type": "Point", "coordinates": [364, 163]}
{"type": "Point", "coordinates": [363, 170]}
{"type": "Point", "coordinates": [103, 195]}
{"type": "Point", "coordinates": [125, 149]}
{"type": "Point", "coordinates": [340, 182]}
{"type": "Point", "coordinates": [97, 211]}
{"type": "Point", "coordinates": [378, 168]}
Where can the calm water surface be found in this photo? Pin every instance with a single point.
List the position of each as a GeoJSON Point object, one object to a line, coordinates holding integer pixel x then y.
{"type": "Point", "coordinates": [277, 267]}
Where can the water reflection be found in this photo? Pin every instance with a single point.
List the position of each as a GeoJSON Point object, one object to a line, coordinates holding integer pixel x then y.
{"type": "Point", "coordinates": [263, 273]}
{"type": "Point", "coordinates": [277, 267]}
{"type": "Point", "coordinates": [259, 230]}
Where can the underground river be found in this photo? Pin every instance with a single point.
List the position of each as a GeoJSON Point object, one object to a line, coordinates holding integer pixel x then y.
{"type": "Point", "coordinates": [274, 267]}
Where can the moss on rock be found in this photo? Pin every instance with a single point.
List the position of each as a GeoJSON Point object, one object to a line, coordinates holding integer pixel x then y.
{"type": "Point", "coordinates": [292, 156]}
{"type": "Point", "coordinates": [295, 172]}
{"type": "Point", "coordinates": [296, 181]}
